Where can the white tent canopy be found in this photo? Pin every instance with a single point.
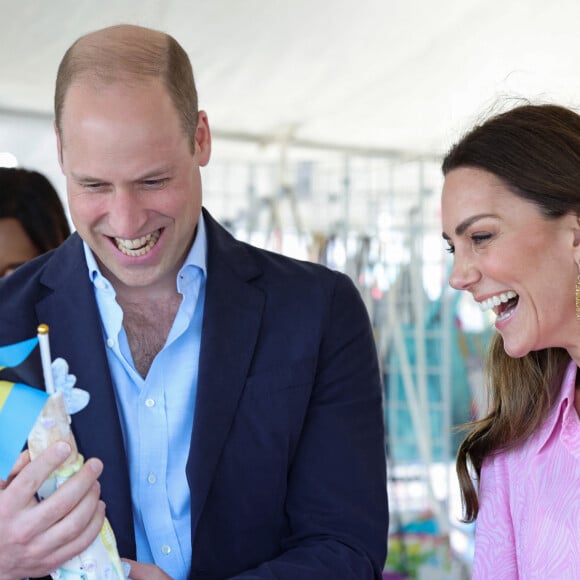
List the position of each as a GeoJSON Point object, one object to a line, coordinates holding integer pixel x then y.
{"type": "Point", "coordinates": [390, 75]}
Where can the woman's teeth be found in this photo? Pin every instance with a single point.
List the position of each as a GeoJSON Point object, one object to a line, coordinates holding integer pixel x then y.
{"type": "Point", "coordinates": [138, 246]}
{"type": "Point", "coordinates": [485, 305]}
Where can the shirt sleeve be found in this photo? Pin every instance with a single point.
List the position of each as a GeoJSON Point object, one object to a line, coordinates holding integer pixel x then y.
{"type": "Point", "coordinates": [495, 548]}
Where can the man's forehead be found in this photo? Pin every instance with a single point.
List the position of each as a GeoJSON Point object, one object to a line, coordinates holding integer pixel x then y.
{"type": "Point", "coordinates": [97, 93]}
{"type": "Point", "coordinates": [99, 83]}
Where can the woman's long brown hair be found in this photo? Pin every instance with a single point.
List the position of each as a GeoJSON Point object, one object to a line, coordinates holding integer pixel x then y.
{"type": "Point", "coordinates": [535, 151]}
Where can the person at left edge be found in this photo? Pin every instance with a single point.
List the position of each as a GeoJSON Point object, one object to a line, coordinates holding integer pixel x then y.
{"type": "Point", "coordinates": [32, 217]}
{"type": "Point", "coordinates": [236, 399]}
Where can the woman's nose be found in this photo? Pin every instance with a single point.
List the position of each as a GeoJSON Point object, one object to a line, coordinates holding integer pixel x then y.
{"type": "Point", "coordinates": [464, 274]}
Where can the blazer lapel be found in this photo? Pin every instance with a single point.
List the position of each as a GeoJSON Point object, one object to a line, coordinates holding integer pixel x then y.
{"type": "Point", "coordinates": [75, 334]}
{"type": "Point", "coordinates": [231, 322]}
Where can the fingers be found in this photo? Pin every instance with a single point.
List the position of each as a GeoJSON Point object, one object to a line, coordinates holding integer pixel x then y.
{"type": "Point", "coordinates": [72, 517]}
{"type": "Point", "coordinates": [81, 492]}
{"type": "Point", "coordinates": [145, 571]}
{"type": "Point", "coordinates": [71, 536]}
{"type": "Point", "coordinates": [32, 475]}
{"type": "Point", "coordinates": [21, 462]}
{"type": "Point", "coordinates": [38, 537]}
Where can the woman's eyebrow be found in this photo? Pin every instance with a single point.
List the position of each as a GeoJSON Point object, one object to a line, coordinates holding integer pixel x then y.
{"type": "Point", "coordinates": [460, 229]}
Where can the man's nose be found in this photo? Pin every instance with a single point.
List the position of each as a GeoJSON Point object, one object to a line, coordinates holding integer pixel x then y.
{"type": "Point", "coordinates": [126, 216]}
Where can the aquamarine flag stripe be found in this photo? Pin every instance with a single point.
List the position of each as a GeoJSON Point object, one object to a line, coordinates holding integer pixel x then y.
{"type": "Point", "coordinates": [14, 354]}
{"type": "Point", "coordinates": [17, 417]}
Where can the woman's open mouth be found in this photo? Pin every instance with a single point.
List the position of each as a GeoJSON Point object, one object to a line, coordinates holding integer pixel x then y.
{"type": "Point", "coordinates": [502, 304]}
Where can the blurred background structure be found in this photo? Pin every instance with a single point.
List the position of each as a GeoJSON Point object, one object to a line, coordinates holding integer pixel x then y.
{"type": "Point", "coordinates": [330, 120]}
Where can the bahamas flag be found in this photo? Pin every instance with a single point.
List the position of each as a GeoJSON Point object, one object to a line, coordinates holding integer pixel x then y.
{"type": "Point", "coordinates": [20, 402]}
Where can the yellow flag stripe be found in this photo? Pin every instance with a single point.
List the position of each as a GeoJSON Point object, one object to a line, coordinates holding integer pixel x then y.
{"type": "Point", "coordinates": [5, 388]}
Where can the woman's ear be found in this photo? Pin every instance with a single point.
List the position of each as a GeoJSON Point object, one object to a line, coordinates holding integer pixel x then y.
{"type": "Point", "coordinates": [575, 227]}
{"type": "Point", "coordinates": [577, 237]}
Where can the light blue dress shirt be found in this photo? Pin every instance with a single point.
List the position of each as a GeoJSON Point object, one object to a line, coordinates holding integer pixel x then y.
{"type": "Point", "coordinates": [157, 413]}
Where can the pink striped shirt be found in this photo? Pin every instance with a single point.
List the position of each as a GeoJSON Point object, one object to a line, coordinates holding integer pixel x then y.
{"type": "Point", "coordinates": [529, 520]}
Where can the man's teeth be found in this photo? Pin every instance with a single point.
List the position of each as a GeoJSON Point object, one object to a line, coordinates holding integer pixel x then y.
{"type": "Point", "coordinates": [138, 246]}
{"type": "Point", "coordinates": [485, 305]}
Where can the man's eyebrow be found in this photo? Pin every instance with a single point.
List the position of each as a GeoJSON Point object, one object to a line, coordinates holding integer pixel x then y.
{"type": "Point", "coordinates": [84, 178]}
{"type": "Point", "coordinates": [460, 229]}
{"type": "Point", "coordinates": [154, 173]}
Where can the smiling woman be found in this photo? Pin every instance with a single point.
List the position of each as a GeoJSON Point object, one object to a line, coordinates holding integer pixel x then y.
{"type": "Point", "coordinates": [511, 217]}
{"type": "Point", "coordinates": [32, 217]}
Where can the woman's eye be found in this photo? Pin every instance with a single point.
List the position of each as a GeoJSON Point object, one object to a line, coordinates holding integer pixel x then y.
{"type": "Point", "coordinates": [480, 238]}
{"type": "Point", "coordinates": [450, 249]}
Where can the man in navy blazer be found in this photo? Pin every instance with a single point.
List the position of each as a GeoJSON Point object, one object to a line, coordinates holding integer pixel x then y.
{"type": "Point", "coordinates": [284, 466]}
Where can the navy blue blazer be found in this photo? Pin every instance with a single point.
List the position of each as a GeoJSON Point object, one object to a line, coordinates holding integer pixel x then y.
{"type": "Point", "coordinates": [287, 464]}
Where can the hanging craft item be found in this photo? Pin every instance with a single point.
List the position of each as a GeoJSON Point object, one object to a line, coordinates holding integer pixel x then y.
{"type": "Point", "coordinates": [100, 559]}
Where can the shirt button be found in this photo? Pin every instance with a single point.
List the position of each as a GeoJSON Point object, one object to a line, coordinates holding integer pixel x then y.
{"type": "Point", "coordinates": [110, 342]}
{"type": "Point", "coordinates": [166, 549]}
{"type": "Point", "coordinates": [149, 402]}
{"type": "Point", "coordinates": [151, 478]}
{"type": "Point", "coordinates": [99, 283]}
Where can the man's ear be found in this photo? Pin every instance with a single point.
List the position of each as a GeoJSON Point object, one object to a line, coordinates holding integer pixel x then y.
{"type": "Point", "coordinates": [58, 146]}
{"type": "Point", "coordinates": [202, 139]}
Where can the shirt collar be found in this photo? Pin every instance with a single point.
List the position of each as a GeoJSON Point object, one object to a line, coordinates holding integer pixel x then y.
{"type": "Point", "coordinates": [196, 258]}
{"type": "Point", "coordinates": [561, 409]}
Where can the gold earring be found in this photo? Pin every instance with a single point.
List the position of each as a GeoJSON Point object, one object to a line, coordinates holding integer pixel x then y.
{"type": "Point", "coordinates": [578, 295]}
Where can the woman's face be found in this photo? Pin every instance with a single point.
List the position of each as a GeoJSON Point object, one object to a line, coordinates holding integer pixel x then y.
{"type": "Point", "coordinates": [512, 260]}
{"type": "Point", "coordinates": [15, 246]}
